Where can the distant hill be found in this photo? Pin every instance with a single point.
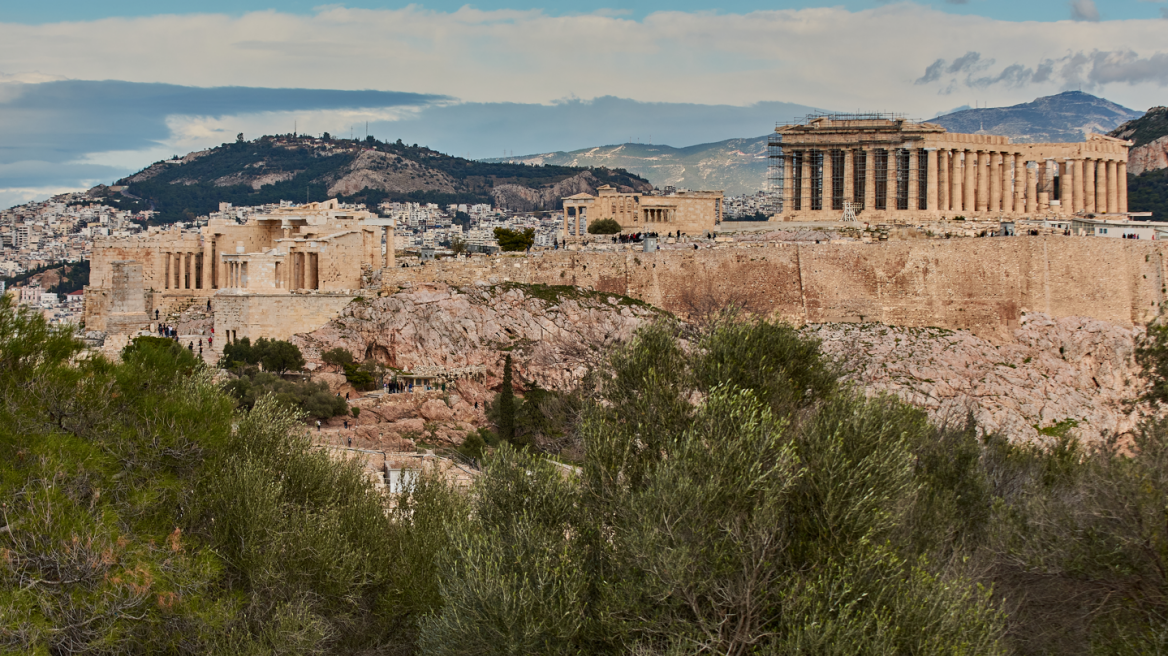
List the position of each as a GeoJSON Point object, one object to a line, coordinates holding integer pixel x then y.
{"type": "Point", "coordinates": [274, 168]}
{"type": "Point", "coordinates": [1065, 117]}
{"type": "Point", "coordinates": [736, 166]}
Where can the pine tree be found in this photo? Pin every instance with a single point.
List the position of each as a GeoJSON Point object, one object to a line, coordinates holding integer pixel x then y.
{"type": "Point", "coordinates": [507, 404]}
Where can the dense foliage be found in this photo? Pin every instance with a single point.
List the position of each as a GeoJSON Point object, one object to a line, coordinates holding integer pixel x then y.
{"type": "Point", "coordinates": [604, 227]}
{"type": "Point", "coordinates": [276, 355]}
{"type": "Point", "coordinates": [74, 277]}
{"type": "Point", "coordinates": [732, 497]}
{"type": "Point", "coordinates": [515, 240]}
{"type": "Point", "coordinates": [198, 186]}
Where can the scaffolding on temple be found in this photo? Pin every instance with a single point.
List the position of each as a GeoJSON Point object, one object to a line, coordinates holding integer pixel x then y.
{"type": "Point", "coordinates": [850, 211]}
{"type": "Point", "coordinates": [775, 170]}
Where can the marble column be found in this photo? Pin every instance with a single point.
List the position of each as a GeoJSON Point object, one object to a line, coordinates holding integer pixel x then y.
{"type": "Point", "coordinates": [957, 201]}
{"type": "Point", "coordinates": [849, 175]}
{"type": "Point", "coordinates": [805, 182]}
{"type": "Point", "coordinates": [1112, 187]}
{"type": "Point", "coordinates": [1007, 188]}
{"type": "Point", "coordinates": [788, 185]}
{"type": "Point", "coordinates": [1031, 189]}
{"type": "Point", "coordinates": [208, 257]}
{"type": "Point", "coordinates": [982, 196]}
{"type": "Point", "coordinates": [1089, 186]}
{"type": "Point", "coordinates": [1101, 187]}
{"type": "Point", "coordinates": [870, 180]}
{"type": "Point", "coordinates": [1080, 193]}
{"type": "Point", "coordinates": [995, 183]}
{"type": "Point", "coordinates": [931, 183]}
{"type": "Point", "coordinates": [914, 180]}
{"type": "Point", "coordinates": [1121, 181]}
{"type": "Point", "coordinates": [970, 185]}
{"type": "Point", "coordinates": [828, 183]}
{"type": "Point", "coordinates": [943, 179]}
{"type": "Point", "coordinates": [1067, 187]}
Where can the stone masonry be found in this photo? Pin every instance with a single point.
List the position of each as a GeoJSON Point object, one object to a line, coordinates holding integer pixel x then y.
{"type": "Point", "coordinates": [893, 169]}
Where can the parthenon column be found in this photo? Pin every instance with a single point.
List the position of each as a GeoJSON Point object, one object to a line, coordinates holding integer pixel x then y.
{"type": "Point", "coordinates": [931, 184]}
{"type": "Point", "coordinates": [995, 182]}
{"type": "Point", "coordinates": [1089, 186]}
{"type": "Point", "coordinates": [1101, 187]}
{"type": "Point", "coordinates": [805, 182]}
{"type": "Point", "coordinates": [849, 174]}
{"type": "Point", "coordinates": [1112, 187]}
{"type": "Point", "coordinates": [870, 180]}
{"type": "Point", "coordinates": [942, 179]}
{"type": "Point", "coordinates": [913, 202]}
{"type": "Point", "coordinates": [1067, 187]}
{"type": "Point", "coordinates": [1077, 178]}
{"type": "Point", "coordinates": [828, 189]}
{"type": "Point", "coordinates": [1031, 188]}
{"type": "Point", "coordinates": [178, 271]}
{"type": "Point", "coordinates": [1121, 180]}
{"type": "Point", "coordinates": [957, 195]}
{"type": "Point", "coordinates": [788, 187]}
{"type": "Point", "coordinates": [982, 197]}
{"type": "Point", "coordinates": [1017, 184]}
{"type": "Point", "coordinates": [970, 184]}
{"type": "Point", "coordinates": [1007, 189]}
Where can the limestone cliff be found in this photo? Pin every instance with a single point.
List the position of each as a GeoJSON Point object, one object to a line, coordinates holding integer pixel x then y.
{"type": "Point", "coordinates": [553, 333]}
{"type": "Point", "coordinates": [1075, 370]}
{"type": "Point", "coordinates": [1151, 156]}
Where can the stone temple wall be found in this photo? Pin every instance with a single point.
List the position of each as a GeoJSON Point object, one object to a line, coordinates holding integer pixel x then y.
{"type": "Point", "coordinates": [275, 316]}
{"type": "Point", "coordinates": [982, 285]}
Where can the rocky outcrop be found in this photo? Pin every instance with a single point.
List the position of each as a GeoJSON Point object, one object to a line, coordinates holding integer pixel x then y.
{"type": "Point", "coordinates": [554, 335]}
{"type": "Point", "coordinates": [1073, 371]}
{"type": "Point", "coordinates": [388, 172]}
{"type": "Point", "coordinates": [527, 199]}
{"type": "Point", "coordinates": [1148, 157]}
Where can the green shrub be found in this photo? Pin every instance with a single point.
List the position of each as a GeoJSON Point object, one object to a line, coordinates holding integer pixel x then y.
{"type": "Point", "coordinates": [604, 227]}
{"type": "Point", "coordinates": [515, 240]}
{"type": "Point", "coordinates": [337, 356]}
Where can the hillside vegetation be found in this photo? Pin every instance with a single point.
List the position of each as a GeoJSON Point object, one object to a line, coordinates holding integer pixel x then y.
{"type": "Point", "coordinates": [733, 498]}
{"type": "Point", "coordinates": [270, 169]}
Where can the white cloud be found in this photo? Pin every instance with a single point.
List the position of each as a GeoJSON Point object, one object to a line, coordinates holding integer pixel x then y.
{"type": "Point", "coordinates": [1084, 10]}
{"type": "Point", "coordinates": [823, 56]}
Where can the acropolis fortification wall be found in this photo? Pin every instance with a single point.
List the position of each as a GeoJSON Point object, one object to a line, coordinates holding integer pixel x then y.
{"type": "Point", "coordinates": [982, 285]}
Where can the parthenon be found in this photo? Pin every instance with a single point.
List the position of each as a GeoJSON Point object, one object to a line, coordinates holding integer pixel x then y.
{"type": "Point", "coordinates": [889, 167]}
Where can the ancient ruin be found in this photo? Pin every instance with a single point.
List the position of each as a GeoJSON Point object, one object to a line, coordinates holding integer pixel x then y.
{"type": "Point", "coordinates": [687, 212]}
{"type": "Point", "coordinates": [891, 169]}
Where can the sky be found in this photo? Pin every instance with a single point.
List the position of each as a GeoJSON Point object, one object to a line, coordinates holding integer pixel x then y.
{"type": "Point", "coordinates": [90, 92]}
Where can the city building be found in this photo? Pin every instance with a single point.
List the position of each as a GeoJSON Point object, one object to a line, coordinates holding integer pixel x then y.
{"type": "Point", "coordinates": [889, 168]}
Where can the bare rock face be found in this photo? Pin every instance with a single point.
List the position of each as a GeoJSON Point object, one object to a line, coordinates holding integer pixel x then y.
{"type": "Point", "coordinates": [1074, 371]}
{"type": "Point", "coordinates": [526, 199]}
{"type": "Point", "coordinates": [1148, 157]}
{"type": "Point", "coordinates": [388, 172]}
{"type": "Point", "coordinates": [433, 328]}
{"type": "Point", "coordinates": [552, 334]}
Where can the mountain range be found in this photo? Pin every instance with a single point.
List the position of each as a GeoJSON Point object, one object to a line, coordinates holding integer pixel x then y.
{"type": "Point", "coordinates": [738, 166]}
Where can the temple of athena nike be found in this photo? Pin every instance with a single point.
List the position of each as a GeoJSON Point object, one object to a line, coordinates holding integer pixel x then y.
{"type": "Point", "coordinates": [889, 169]}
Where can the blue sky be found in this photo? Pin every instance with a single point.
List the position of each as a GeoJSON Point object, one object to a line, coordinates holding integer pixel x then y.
{"type": "Point", "coordinates": [1008, 10]}
{"type": "Point", "coordinates": [92, 91]}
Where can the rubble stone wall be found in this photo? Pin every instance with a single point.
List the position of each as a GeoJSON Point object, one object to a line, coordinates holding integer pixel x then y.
{"type": "Point", "coordinates": [275, 316]}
